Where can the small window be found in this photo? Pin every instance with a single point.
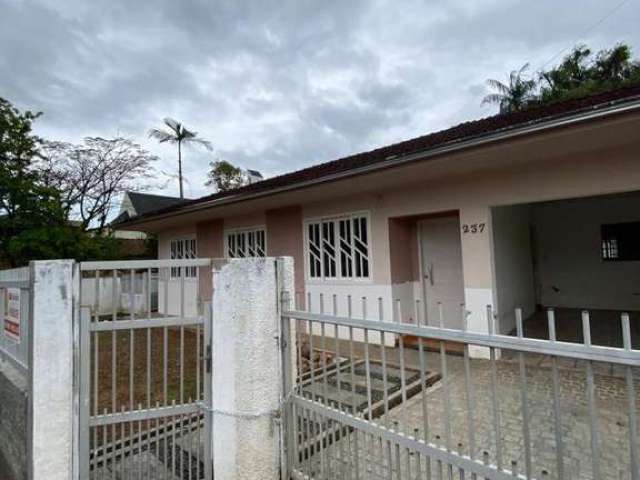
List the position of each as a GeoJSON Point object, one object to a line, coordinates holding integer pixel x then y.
{"type": "Point", "coordinates": [183, 248]}
{"type": "Point", "coordinates": [621, 242]}
{"type": "Point", "coordinates": [338, 248]}
{"type": "Point", "coordinates": [246, 243]}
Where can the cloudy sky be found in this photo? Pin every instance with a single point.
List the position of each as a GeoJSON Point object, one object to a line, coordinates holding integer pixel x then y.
{"type": "Point", "coordinates": [280, 85]}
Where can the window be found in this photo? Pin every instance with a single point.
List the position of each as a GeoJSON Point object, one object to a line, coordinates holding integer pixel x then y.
{"type": "Point", "coordinates": [184, 248]}
{"type": "Point", "coordinates": [339, 247]}
{"type": "Point", "coordinates": [246, 243]}
{"type": "Point", "coordinates": [621, 241]}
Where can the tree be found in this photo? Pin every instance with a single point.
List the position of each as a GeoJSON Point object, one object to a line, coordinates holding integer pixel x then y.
{"type": "Point", "coordinates": [514, 96]}
{"type": "Point", "coordinates": [580, 73]}
{"type": "Point", "coordinates": [225, 176]}
{"type": "Point", "coordinates": [178, 134]}
{"type": "Point", "coordinates": [91, 176]}
{"type": "Point", "coordinates": [25, 204]}
{"type": "Point", "coordinates": [572, 72]}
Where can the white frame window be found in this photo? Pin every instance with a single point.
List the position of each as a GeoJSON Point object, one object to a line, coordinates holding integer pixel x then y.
{"type": "Point", "coordinates": [245, 242]}
{"type": "Point", "coordinates": [339, 247]}
{"type": "Point", "coordinates": [183, 248]}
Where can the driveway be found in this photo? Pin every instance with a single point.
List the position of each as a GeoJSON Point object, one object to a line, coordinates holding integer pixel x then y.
{"type": "Point", "coordinates": [611, 403]}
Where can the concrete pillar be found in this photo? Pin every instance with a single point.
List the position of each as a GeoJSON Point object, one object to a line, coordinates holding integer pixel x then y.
{"type": "Point", "coordinates": [247, 375]}
{"type": "Point", "coordinates": [477, 265]}
{"type": "Point", "coordinates": [51, 370]}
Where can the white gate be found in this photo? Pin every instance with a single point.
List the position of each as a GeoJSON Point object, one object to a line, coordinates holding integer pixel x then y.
{"type": "Point", "coordinates": [145, 370]}
{"type": "Point", "coordinates": [425, 408]}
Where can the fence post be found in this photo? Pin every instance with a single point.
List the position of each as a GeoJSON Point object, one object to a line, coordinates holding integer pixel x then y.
{"type": "Point", "coordinates": [247, 376]}
{"type": "Point", "coordinates": [51, 344]}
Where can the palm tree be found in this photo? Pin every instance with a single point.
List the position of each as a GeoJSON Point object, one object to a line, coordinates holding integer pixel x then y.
{"type": "Point", "coordinates": [514, 96]}
{"type": "Point", "coordinates": [177, 133]}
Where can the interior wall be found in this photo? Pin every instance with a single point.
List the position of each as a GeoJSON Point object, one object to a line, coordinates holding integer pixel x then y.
{"type": "Point", "coordinates": [513, 264]}
{"type": "Point", "coordinates": [568, 241]}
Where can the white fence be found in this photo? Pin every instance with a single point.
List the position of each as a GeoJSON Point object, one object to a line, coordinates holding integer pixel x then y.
{"type": "Point", "coordinates": [353, 413]}
{"type": "Point", "coordinates": [108, 293]}
{"type": "Point", "coordinates": [37, 340]}
{"type": "Point", "coordinates": [156, 290]}
{"type": "Point", "coordinates": [14, 311]}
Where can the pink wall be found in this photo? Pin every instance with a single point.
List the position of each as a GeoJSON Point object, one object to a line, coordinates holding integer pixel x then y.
{"type": "Point", "coordinates": [403, 253]}
{"type": "Point", "coordinates": [210, 245]}
{"type": "Point", "coordinates": [285, 238]}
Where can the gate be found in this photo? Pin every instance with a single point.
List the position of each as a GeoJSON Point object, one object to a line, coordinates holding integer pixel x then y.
{"type": "Point", "coordinates": [385, 400]}
{"type": "Point", "coordinates": [145, 370]}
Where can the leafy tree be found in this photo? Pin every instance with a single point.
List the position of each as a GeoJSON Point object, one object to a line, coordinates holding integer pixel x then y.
{"type": "Point", "coordinates": [25, 204]}
{"type": "Point", "coordinates": [225, 176]}
{"type": "Point", "coordinates": [615, 65]}
{"type": "Point", "coordinates": [60, 241]}
{"type": "Point", "coordinates": [579, 74]}
{"type": "Point", "coordinates": [33, 224]}
{"type": "Point", "coordinates": [91, 176]}
{"type": "Point", "coordinates": [514, 96]}
{"type": "Point", "coordinates": [178, 134]}
{"type": "Point", "coordinates": [571, 74]}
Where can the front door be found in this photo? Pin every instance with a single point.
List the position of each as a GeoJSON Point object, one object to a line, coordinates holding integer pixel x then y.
{"type": "Point", "coordinates": [442, 278]}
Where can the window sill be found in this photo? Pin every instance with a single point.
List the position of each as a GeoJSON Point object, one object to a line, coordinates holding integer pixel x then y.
{"type": "Point", "coordinates": [339, 281]}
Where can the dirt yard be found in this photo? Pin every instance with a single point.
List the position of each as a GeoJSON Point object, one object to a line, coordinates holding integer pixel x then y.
{"type": "Point", "coordinates": [104, 341]}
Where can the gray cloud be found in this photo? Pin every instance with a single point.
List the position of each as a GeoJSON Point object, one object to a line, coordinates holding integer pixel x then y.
{"type": "Point", "coordinates": [278, 85]}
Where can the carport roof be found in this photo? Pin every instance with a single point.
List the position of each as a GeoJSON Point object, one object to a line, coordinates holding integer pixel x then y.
{"type": "Point", "coordinates": [388, 155]}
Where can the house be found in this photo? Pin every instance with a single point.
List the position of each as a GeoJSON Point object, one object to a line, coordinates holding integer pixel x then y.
{"type": "Point", "coordinates": [533, 209]}
{"type": "Point", "coordinates": [137, 203]}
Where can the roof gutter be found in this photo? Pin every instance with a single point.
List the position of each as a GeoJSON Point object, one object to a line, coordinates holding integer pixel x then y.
{"type": "Point", "coordinates": [395, 161]}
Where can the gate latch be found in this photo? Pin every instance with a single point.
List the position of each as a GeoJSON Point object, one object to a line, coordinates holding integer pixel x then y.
{"type": "Point", "coordinates": [208, 358]}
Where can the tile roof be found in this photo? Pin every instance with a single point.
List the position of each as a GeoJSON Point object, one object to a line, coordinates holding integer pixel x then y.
{"type": "Point", "coordinates": [145, 203]}
{"type": "Point", "coordinates": [463, 132]}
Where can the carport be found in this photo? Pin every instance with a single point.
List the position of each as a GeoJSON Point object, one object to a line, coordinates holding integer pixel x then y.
{"type": "Point", "coordinates": [570, 255]}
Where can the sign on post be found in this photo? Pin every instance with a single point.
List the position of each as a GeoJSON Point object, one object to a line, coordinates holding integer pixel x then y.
{"type": "Point", "coordinates": [12, 314]}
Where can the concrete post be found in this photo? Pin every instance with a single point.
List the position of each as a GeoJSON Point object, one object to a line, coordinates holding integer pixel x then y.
{"type": "Point", "coordinates": [247, 376]}
{"type": "Point", "coordinates": [51, 371]}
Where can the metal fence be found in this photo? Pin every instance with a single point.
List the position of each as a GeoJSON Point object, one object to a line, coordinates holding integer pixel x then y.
{"type": "Point", "coordinates": [442, 403]}
{"type": "Point", "coordinates": [145, 370]}
{"type": "Point", "coordinates": [15, 291]}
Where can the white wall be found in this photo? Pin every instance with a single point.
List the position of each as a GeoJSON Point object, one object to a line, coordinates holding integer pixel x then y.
{"type": "Point", "coordinates": [173, 293]}
{"type": "Point", "coordinates": [513, 264]}
{"type": "Point", "coordinates": [104, 303]}
{"type": "Point", "coordinates": [368, 300]}
{"type": "Point", "coordinates": [569, 246]}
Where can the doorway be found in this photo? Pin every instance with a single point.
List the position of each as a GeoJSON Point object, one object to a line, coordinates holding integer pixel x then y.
{"type": "Point", "coordinates": [441, 270]}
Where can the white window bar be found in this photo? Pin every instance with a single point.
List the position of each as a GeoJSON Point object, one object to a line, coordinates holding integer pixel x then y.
{"type": "Point", "coordinates": [184, 249]}
{"type": "Point", "coordinates": [246, 243]}
{"type": "Point", "coordinates": [338, 248]}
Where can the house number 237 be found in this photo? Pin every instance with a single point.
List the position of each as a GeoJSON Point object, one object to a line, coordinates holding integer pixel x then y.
{"type": "Point", "coordinates": [473, 228]}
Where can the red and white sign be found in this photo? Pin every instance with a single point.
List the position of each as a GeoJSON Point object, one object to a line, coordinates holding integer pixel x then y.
{"type": "Point", "coordinates": [12, 314]}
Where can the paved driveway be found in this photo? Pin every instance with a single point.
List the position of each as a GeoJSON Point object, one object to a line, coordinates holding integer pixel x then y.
{"type": "Point", "coordinates": [612, 421]}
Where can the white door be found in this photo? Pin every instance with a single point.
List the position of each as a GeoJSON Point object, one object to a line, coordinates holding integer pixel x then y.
{"type": "Point", "coordinates": [442, 278]}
